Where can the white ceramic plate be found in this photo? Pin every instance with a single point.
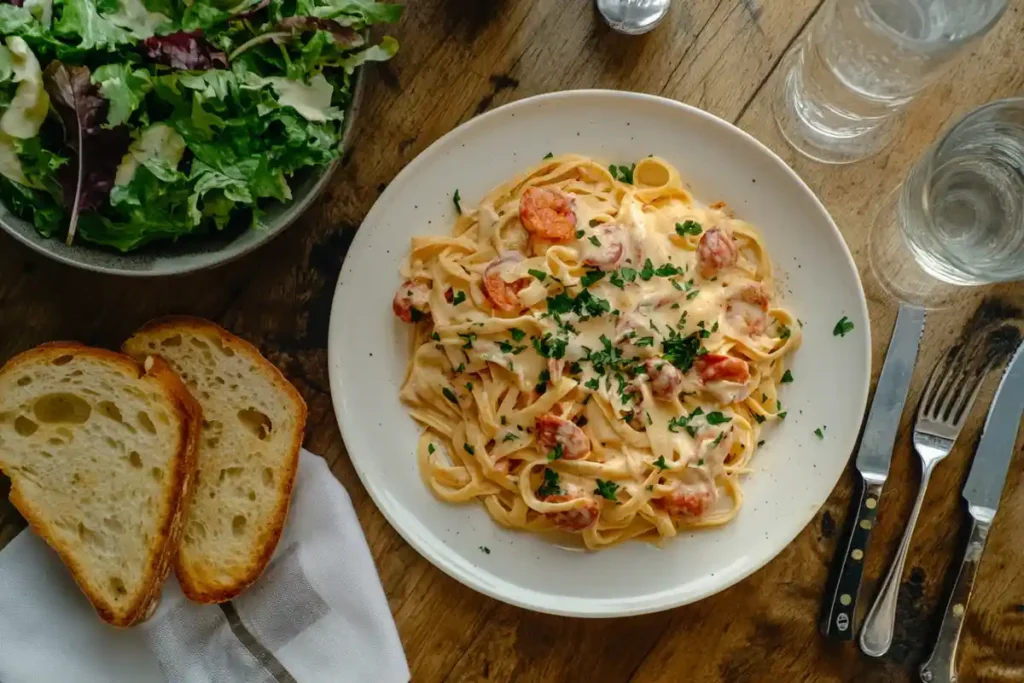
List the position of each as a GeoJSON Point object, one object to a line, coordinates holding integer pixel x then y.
{"type": "Point", "coordinates": [795, 471]}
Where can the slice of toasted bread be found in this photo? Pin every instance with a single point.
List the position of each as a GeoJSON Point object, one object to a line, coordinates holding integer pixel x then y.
{"type": "Point", "coordinates": [101, 453]}
{"type": "Point", "coordinates": [248, 453]}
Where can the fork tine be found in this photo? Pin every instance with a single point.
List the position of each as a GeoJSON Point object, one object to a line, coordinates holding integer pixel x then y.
{"type": "Point", "coordinates": [939, 373]}
{"type": "Point", "coordinates": [944, 382]}
{"type": "Point", "coordinates": [962, 409]}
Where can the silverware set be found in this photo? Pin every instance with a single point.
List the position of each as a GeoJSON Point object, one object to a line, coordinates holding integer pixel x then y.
{"type": "Point", "coordinates": [945, 405]}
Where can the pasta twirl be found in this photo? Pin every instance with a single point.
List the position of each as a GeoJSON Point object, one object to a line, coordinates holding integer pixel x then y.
{"type": "Point", "coordinates": [593, 355]}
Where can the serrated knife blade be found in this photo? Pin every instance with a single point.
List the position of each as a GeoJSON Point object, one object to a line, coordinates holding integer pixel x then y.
{"type": "Point", "coordinates": [985, 482]}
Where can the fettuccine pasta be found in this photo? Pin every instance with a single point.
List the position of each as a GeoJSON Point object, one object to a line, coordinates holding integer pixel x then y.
{"type": "Point", "coordinates": [594, 352]}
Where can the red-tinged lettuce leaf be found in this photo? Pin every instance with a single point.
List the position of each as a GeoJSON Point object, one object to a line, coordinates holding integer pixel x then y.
{"type": "Point", "coordinates": [95, 151]}
{"type": "Point", "coordinates": [184, 51]}
{"type": "Point", "coordinates": [344, 36]}
{"type": "Point", "coordinates": [16, 3]}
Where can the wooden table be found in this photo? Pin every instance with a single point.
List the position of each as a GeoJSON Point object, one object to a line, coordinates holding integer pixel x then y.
{"type": "Point", "coordinates": [460, 58]}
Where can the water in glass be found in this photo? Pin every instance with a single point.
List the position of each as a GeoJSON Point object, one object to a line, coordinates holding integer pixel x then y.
{"type": "Point", "coordinates": [962, 206]}
{"type": "Point", "coordinates": [862, 61]}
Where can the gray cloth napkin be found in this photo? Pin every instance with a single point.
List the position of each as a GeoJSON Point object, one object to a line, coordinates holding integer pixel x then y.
{"type": "Point", "coordinates": [317, 615]}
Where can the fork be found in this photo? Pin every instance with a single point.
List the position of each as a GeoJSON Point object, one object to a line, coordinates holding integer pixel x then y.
{"type": "Point", "coordinates": [947, 400]}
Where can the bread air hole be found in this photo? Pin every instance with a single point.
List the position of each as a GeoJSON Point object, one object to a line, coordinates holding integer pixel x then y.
{"type": "Point", "coordinates": [170, 341]}
{"type": "Point", "coordinates": [238, 525]}
{"type": "Point", "coordinates": [24, 381]}
{"type": "Point", "coordinates": [256, 422]}
{"type": "Point", "coordinates": [109, 410]}
{"type": "Point", "coordinates": [157, 473]}
{"type": "Point", "coordinates": [268, 477]}
{"type": "Point", "coordinates": [135, 459]}
{"type": "Point", "coordinates": [145, 422]}
{"type": "Point", "coordinates": [24, 426]}
{"type": "Point", "coordinates": [117, 586]}
{"type": "Point", "coordinates": [63, 360]}
{"type": "Point", "coordinates": [67, 408]}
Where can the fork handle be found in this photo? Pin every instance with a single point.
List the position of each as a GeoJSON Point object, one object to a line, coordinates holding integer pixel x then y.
{"type": "Point", "coordinates": [941, 666]}
{"type": "Point", "coordinates": [841, 606]}
{"type": "Point", "coordinates": [876, 635]}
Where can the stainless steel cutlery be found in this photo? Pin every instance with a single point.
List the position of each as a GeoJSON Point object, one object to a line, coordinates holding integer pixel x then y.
{"type": "Point", "coordinates": [873, 458]}
{"type": "Point", "coordinates": [945, 405]}
{"type": "Point", "coordinates": [982, 492]}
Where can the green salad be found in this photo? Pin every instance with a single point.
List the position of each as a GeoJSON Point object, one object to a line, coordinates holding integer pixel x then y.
{"type": "Point", "coordinates": [124, 122]}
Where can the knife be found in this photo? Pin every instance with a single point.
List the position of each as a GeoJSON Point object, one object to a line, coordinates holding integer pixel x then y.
{"type": "Point", "coordinates": [982, 491]}
{"type": "Point", "coordinates": [873, 465]}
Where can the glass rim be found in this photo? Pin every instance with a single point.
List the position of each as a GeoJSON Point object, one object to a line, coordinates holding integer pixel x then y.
{"type": "Point", "coordinates": [933, 151]}
{"type": "Point", "coordinates": [886, 29]}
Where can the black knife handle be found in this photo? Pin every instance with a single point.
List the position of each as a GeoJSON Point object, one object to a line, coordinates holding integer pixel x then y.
{"type": "Point", "coordinates": [840, 606]}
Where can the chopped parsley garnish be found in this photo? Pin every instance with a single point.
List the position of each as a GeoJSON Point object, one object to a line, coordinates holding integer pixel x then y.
{"type": "Point", "coordinates": [593, 384]}
{"type": "Point", "coordinates": [560, 303]}
{"type": "Point", "coordinates": [760, 443]}
{"type": "Point", "coordinates": [458, 201]}
{"type": "Point", "coordinates": [469, 386]}
{"type": "Point", "coordinates": [508, 348]}
{"type": "Point", "coordinates": [450, 395]}
{"type": "Point", "coordinates": [606, 489]}
{"type": "Point", "coordinates": [787, 377]}
{"type": "Point", "coordinates": [588, 304]}
{"type": "Point", "coordinates": [470, 338]}
{"type": "Point", "coordinates": [680, 351]}
{"type": "Point", "coordinates": [593, 240]}
{"type": "Point", "coordinates": [415, 315]}
{"type": "Point", "coordinates": [469, 449]}
{"type": "Point", "coordinates": [688, 228]}
{"type": "Point", "coordinates": [550, 346]}
{"type": "Point", "coordinates": [435, 336]}
{"type": "Point", "coordinates": [675, 283]}
{"type": "Point", "coordinates": [704, 334]}
{"type": "Point", "coordinates": [675, 305]}
{"type": "Point", "coordinates": [759, 419]}
{"type": "Point", "coordinates": [517, 333]}
{"type": "Point", "coordinates": [608, 357]}
{"type": "Point", "coordinates": [782, 415]}
{"type": "Point", "coordinates": [511, 436]}
{"type": "Point", "coordinates": [667, 270]}
{"type": "Point", "coordinates": [504, 420]}
{"type": "Point", "coordinates": [692, 295]}
{"type": "Point", "coordinates": [550, 486]}
{"type": "Point", "coordinates": [660, 463]}
{"type": "Point", "coordinates": [539, 274]}
{"type": "Point", "coordinates": [714, 328]}
{"type": "Point", "coordinates": [721, 435]}
{"type": "Point", "coordinates": [622, 173]}
{"type": "Point", "coordinates": [717, 418]}
{"type": "Point", "coordinates": [818, 433]}
{"type": "Point", "coordinates": [842, 327]}
{"type": "Point", "coordinates": [548, 155]}
{"type": "Point", "coordinates": [648, 271]}
{"type": "Point", "coordinates": [575, 368]}
{"type": "Point", "coordinates": [579, 234]}
{"type": "Point", "coordinates": [484, 549]}
{"type": "Point", "coordinates": [644, 341]}
{"type": "Point", "coordinates": [462, 366]}
{"type": "Point", "coordinates": [590, 277]}
{"type": "Point", "coordinates": [594, 222]}
{"type": "Point", "coordinates": [556, 453]}
{"type": "Point", "coordinates": [430, 448]}
{"type": "Point", "coordinates": [459, 297]}
{"type": "Point", "coordinates": [784, 332]}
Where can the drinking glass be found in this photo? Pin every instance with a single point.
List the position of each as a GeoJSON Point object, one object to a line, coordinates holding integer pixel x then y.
{"type": "Point", "coordinates": [958, 219]}
{"type": "Point", "coordinates": [862, 61]}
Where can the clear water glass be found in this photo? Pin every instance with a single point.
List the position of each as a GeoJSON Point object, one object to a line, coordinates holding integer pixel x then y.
{"type": "Point", "coordinates": [958, 219]}
{"type": "Point", "coordinates": [862, 61]}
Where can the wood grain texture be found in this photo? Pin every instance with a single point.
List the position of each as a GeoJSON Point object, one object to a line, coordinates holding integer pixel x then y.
{"type": "Point", "coordinates": [460, 58]}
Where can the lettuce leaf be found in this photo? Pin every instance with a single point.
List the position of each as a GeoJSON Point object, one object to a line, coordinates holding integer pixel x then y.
{"type": "Point", "coordinates": [124, 88]}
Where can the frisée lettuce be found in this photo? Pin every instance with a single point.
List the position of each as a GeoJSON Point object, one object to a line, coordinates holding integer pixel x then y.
{"type": "Point", "coordinates": [126, 122]}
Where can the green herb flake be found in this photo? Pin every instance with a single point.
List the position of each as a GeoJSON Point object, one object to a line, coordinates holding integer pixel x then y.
{"type": "Point", "coordinates": [819, 433]}
{"type": "Point", "coordinates": [644, 341]}
{"type": "Point", "coordinates": [688, 228]}
{"type": "Point", "coordinates": [590, 277]}
{"type": "Point", "coordinates": [557, 452]}
{"type": "Point", "coordinates": [787, 377]}
{"type": "Point", "coordinates": [760, 443]}
{"type": "Point", "coordinates": [450, 395]}
{"type": "Point", "coordinates": [511, 436]}
{"type": "Point", "coordinates": [593, 240]}
{"type": "Point", "coordinates": [580, 234]}
{"type": "Point", "coordinates": [717, 418]}
{"type": "Point", "coordinates": [660, 463]}
{"type": "Point", "coordinates": [469, 449]}
{"type": "Point", "coordinates": [648, 271]}
{"type": "Point", "coordinates": [458, 201]}
{"type": "Point", "coordinates": [539, 274]}
{"type": "Point", "coordinates": [550, 486]}
{"type": "Point", "coordinates": [470, 338]}
{"type": "Point", "coordinates": [549, 155]}
{"type": "Point", "coordinates": [842, 327]}
{"type": "Point", "coordinates": [606, 489]}
{"type": "Point", "coordinates": [758, 418]}
{"type": "Point", "coordinates": [517, 334]}
{"type": "Point", "coordinates": [459, 297]}
{"type": "Point", "coordinates": [435, 336]}
{"type": "Point", "coordinates": [430, 448]}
